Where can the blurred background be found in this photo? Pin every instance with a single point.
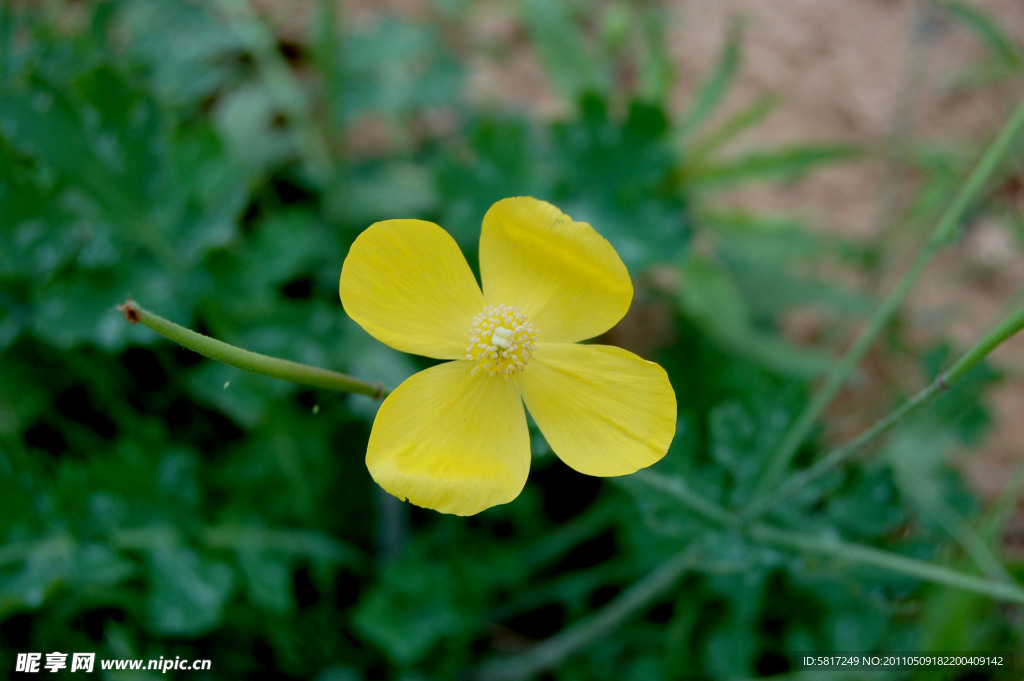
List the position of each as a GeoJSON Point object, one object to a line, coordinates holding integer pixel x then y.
{"type": "Point", "coordinates": [766, 171]}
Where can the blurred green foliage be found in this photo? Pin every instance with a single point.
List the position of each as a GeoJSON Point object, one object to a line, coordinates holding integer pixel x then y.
{"type": "Point", "coordinates": [155, 504]}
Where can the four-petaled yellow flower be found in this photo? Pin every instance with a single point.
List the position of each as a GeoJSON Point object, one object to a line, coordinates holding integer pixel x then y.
{"type": "Point", "coordinates": [454, 437]}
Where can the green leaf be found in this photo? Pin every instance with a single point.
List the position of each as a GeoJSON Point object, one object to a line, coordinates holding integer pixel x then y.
{"type": "Point", "coordinates": [383, 191]}
{"type": "Point", "coordinates": [57, 567]}
{"type": "Point", "coordinates": [741, 437]}
{"type": "Point", "coordinates": [6, 29]}
{"type": "Point", "coordinates": [18, 411]}
{"type": "Point", "coordinates": [781, 356]}
{"type": "Point", "coordinates": [189, 54]}
{"type": "Point", "coordinates": [655, 62]}
{"type": "Point", "coordinates": [705, 145]}
{"type": "Point", "coordinates": [868, 504]}
{"type": "Point", "coordinates": [187, 592]}
{"type": "Point", "coordinates": [246, 119]}
{"type": "Point", "coordinates": [242, 396]}
{"type": "Point", "coordinates": [567, 56]}
{"type": "Point", "coordinates": [785, 164]}
{"type": "Point", "coordinates": [730, 650]}
{"type": "Point", "coordinates": [44, 122]}
{"type": "Point", "coordinates": [709, 296]}
{"type": "Point", "coordinates": [31, 583]}
{"type": "Point", "coordinates": [1003, 46]}
{"type": "Point", "coordinates": [985, 74]}
{"type": "Point", "coordinates": [502, 157]}
{"type": "Point", "coordinates": [716, 84]}
{"type": "Point", "coordinates": [125, 128]}
{"type": "Point", "coordinates": [395, 68]}
{"type": "Point", "coordinates": [206, 192]}
{"type": "Point", "coordinates": [617, 175]}
{"type": "Point", "coordinates": [268, 581]}
{"type": "Point", "coordinates": [412, 609]}
{"type": "Point", "coordinates": [103, 138]}
{"type": "Point", "coordinates": [339, 674]}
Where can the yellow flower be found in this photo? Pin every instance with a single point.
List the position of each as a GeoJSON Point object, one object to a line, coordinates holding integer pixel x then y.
{"type": "Point", "coordinates": [454, 437]}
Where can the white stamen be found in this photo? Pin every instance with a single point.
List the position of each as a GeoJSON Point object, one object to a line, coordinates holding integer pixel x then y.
{"type": "Point", "coordinates": [501, 341]}
{"type": "Point", "coordinates": [503, 337]}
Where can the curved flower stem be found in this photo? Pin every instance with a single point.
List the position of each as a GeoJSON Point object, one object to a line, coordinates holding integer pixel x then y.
{"type": "Point", "coordinates": [929, 572]}
{"type": "Point", "coordinates": [555, 649]}
{"type": "Point", "coordinates": [944, 231]}
{"type": "Point", "coordinates": [1004, 330]}
{"type": "Point", "coordinates": [251, 361]}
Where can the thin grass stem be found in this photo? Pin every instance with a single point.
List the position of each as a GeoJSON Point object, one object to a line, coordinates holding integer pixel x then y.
{"type": "Point", "coordinates": [1002, 332]}
{"type": "Point", "coordinates": [548, 654]}
{"type": "Point", "coordinates": [943, 233]}
{"type": "Point", "coordinates": [866, 555]}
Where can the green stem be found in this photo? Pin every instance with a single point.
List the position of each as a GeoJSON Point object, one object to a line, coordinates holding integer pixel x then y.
{"type": "Point", "coordinates": [1004, 507]}
{"type": "Point", "coordinates": [677, 490]}
{"type": "Point", "coordinates": [836, 548]}
{"type": "Point", "coordinates": [993, 339]}
{"type": "Point", "coordinates": [838, 456]}
{"type": "Point", "coordinates": [956, 526]}
{"type": "Point", "coordinates": [943, 233]}
{"type": "Point", "coordinates": [831, 546]}
{"type": "Point", "coordinates": [553, 651]}
{"type": "Point", "coordinates": [251, 361]}
{"type": "Point", "coordinates": [1003, 331]}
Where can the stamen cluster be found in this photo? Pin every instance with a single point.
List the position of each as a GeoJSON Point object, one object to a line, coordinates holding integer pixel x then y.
{"type": "Point", "coordinates": [501, 341]}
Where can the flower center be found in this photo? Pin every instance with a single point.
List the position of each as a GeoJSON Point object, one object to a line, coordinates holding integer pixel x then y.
{"type": "Point", "coordinates": [501, 341]}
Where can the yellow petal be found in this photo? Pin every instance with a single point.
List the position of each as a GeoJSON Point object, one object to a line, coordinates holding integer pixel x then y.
{"type": "Point", "coordinates": [564, 276]}
{"type": "Point", "coordinates": [450, 441]}
{"type": "Point", "coordinates": [407, 283]}
{"type": "Point", "coordinates": [603, 410]}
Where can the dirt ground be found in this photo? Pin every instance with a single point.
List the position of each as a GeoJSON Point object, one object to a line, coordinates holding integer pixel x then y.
{"type": "Point", "coordinates": [862, 71]}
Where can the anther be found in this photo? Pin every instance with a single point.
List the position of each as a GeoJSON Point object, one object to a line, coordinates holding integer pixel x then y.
{"type": "Point", "coordinates": [501, 341]}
